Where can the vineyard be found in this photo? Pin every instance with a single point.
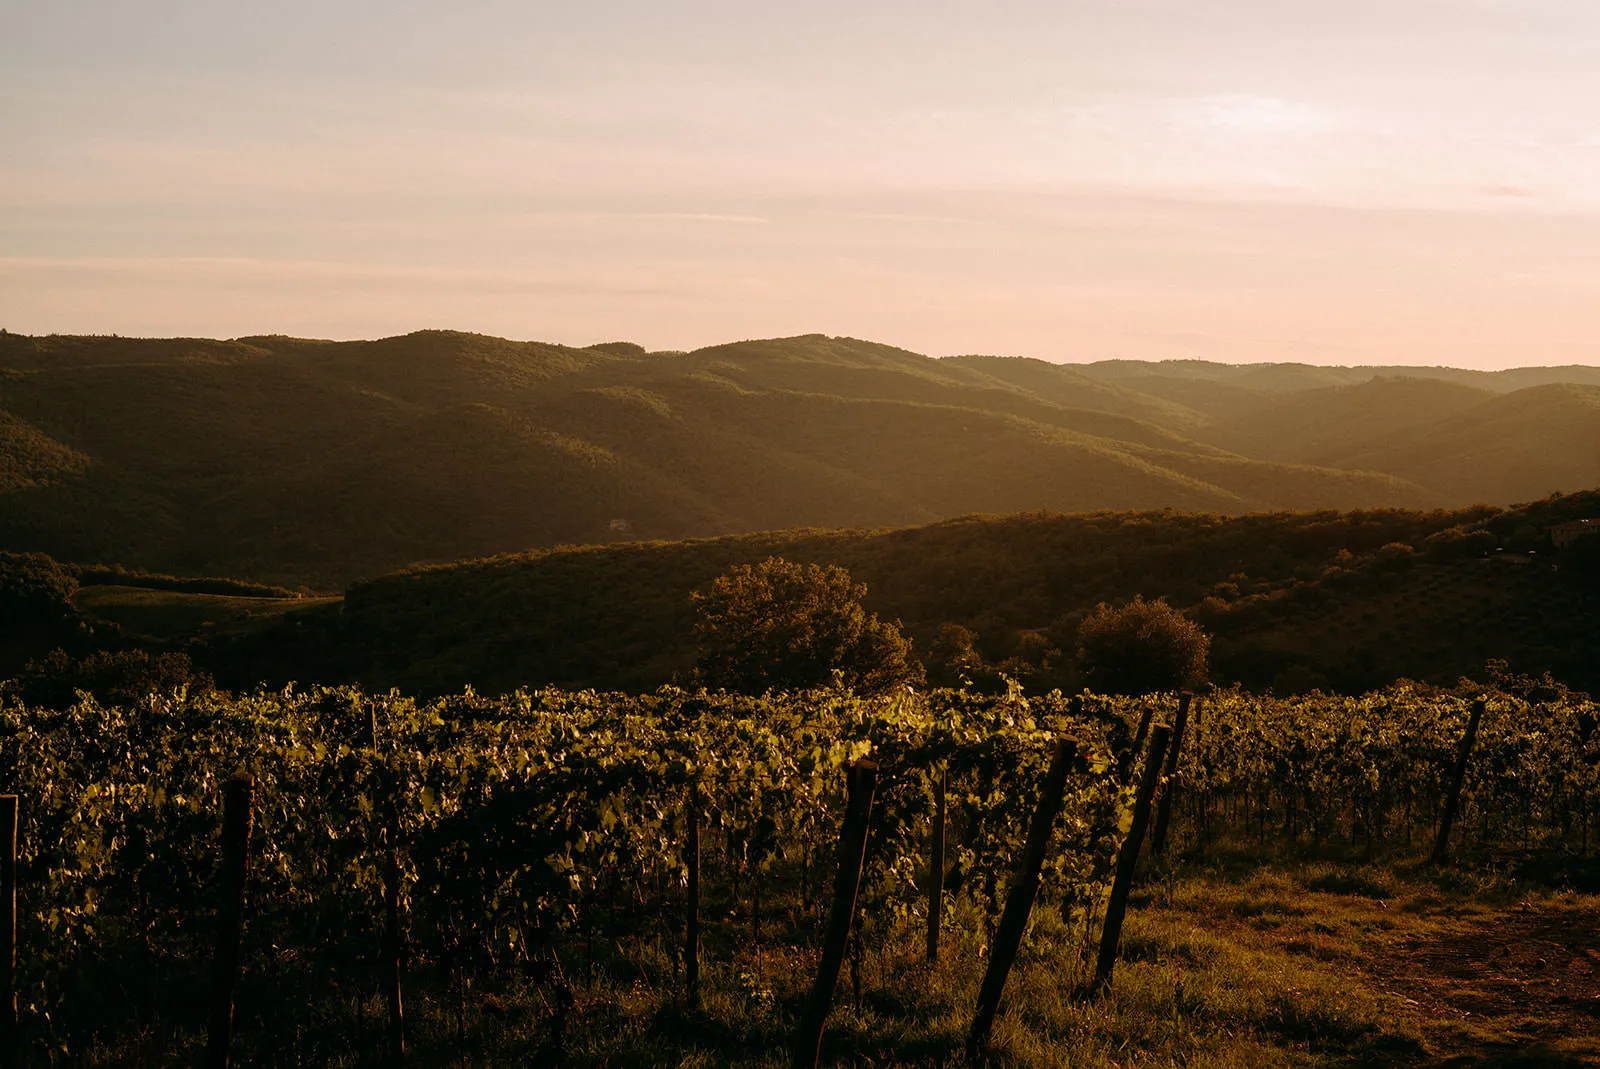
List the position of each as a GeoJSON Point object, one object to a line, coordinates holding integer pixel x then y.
{"type": "Point", "coordinates": [517, 872]}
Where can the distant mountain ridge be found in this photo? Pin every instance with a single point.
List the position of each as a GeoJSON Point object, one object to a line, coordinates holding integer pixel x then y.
{"type": "Point", "coordinates": [1290, 378]}
{"type": "Point", "coordinates": [301, 461]}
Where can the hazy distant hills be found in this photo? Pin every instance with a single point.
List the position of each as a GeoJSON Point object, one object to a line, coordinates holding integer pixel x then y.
{"type": "Point", "coordinates": [307, 461]}
{"type": "Point", "coordinates": [1293, 378]}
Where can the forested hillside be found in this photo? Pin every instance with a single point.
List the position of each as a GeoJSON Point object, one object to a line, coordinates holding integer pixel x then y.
{"type": "Point", "coordinates": [1295, 600]}
{"type": "Point", "coordinates": [305, 462]}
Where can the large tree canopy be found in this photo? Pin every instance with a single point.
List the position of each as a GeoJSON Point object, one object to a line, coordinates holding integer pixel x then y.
{"type": "Point", "coordinates": [780, 625]}
{"type": "Point", "coordinates": [35, 593]}
{"type": "Point", "coordinates": [1140, 648]}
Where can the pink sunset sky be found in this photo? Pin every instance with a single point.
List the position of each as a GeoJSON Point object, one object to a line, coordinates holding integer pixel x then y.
{"type": "Point", "coordinates": [1407, 181]}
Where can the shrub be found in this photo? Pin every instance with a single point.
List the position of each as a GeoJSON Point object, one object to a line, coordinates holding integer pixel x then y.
{"type": "Point", "coordinates": [35, 594]}
{"type": "Point", "coordinates": [1141, 647]}
{"type": "Point", "coordinates": [114, 677]}
{"type": "Point", "coordinates": [954, 658]}
{"type": "Point", "coordinates": [1394, 557]}
{"type": "Point", "coordinates": [780, 625]}
{"type": "Point", "coordinates": [1456, 542]}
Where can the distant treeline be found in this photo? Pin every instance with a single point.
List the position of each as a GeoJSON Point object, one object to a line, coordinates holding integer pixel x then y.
{"type": "Point", "coordinates": [38, 614]}
{"type": "Point", "coordinates": [117, 575]}
{"type": "Point", "coordinates": [1294, 601]}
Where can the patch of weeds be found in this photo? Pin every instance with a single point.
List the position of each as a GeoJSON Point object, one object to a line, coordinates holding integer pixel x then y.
{"type": "Point", "coordinates": [1268, 907]}
{"type": "Point", "coordinates": [1162, 947]}
{"type": "Point", "coordinates": [1387, 1049]}
{"type": "Point", "coordinates": [1558, 871]}
{"type": "Point", "coordinates": [1450, 881]}
{"type": "Point", "coordinates": [1423, 904]}
{"type": "Point", "coordinates": [1316, 949]}
{"type": "Point", "coordinates": [1318, 1025]}
{"type": "Point", "coordinates": [681, 1027]}
{"type": "Point", "coordinates": [758, 996]}
{"type": "Point", "coordinates": [1350, 883]}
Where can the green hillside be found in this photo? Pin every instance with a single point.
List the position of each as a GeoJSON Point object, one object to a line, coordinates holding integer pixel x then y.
{"type": "Point", "coordinates": [296, 461]}
{"type": "Point", "coordinates": [1321, 425]}
{"type": "Point", "coordinates": [46, 606]}
{"type": "Point", "coordinates": [1518, 445]}
{"type": "Point", "coordinates": [1295, 600]}
{"type": "Point", "coordinates": [31, 459]}
{"type": "Point", "coordinates": [179, 614]}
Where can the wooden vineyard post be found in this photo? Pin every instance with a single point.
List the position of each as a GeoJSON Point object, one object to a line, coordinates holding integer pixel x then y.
{"type": "Point", "coordinates": [936, 864]}
{"type": "Point", "coordinates": [1125, 769]}
{"type": "Point", "coordinates": [862, 780]}
{"type": "Point", "coordinates": [1128, 858]}
{"type": "Point", "coordinates": [8, 925]}
{"type": "Point", "coordinates": [1452, 801]}
{"type": "Point", "coordinates": [1019, 897]}
{"type": "Point", "coordinates": [1169, 787]}
{"type": "Point", "coordinates": [390, 979]}
{"type": "Point", "coordinates": [691, 927]}
{"type": "Point", "coordinates": [238, 795]}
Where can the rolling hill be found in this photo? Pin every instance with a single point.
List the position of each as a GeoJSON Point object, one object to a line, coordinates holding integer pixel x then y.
{"type": "Point", "coordinates": [1519, 445]}
{"type": "Point", "coordinates": [302, 462]}
{"type": "Point", "coordinates": [1311, 599]}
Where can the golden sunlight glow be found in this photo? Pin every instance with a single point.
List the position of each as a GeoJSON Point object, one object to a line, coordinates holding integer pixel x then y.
{"type": "Point", "coordinates": [1401, 182]}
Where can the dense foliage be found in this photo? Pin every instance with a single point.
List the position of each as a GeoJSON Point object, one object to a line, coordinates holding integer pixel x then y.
{"type": "Point", "coordinates": [37, 614]}
{"type": "Point", "coordinates": [1140, 648]}
{"type": "Point", "coordinates": [1294, 601]}
{"type": "Point", "coordinates": [35, 594]}
{"type": "Point", "coordinates": [111, 677]}
{"type": "Point", "coordinates": [1372, 770]}
{"type": "Point", "coordinates": [777, 625]}
{"type": "Point", "coordinates": [524, 821]}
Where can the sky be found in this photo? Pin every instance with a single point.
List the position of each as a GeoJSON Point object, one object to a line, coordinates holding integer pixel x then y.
{"type": "Point", "coordinates": [1344, 182]}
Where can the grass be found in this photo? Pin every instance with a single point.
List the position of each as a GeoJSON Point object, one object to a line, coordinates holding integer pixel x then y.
{"type": "Point", "coordinates": [170, 614]}
{"type": "Point", "coordinates": [1226, 962]}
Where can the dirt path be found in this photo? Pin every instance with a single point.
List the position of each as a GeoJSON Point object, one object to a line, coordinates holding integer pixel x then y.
{"type": "Point", "coordinates": [1520, 988]}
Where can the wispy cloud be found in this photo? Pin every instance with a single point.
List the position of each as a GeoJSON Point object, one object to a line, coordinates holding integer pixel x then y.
{"type": "Point", "coordinates": [161, 271]}
{"type": "Point", "coordinates": [1000, 177]}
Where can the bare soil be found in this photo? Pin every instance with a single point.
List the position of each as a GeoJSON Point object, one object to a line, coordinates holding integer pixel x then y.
{"type": "Point", "coordinates": [1519, 987]}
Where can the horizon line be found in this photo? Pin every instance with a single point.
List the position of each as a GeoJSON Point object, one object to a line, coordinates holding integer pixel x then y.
{"type": "Point", "coordinates": [244, 338]}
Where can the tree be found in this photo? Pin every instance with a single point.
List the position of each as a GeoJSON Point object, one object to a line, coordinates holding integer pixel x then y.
{"type": "Point", "coordinates": [954, 659]}
{"type": "Point", "coordinates": [781, 625]}
{"type": "Point", "coordinates": [35, 593]}
{"type": "Point", "coordinates": [113, 677]}
{"type": "Point", "coordinates": [1393, 557]}
{"type": "Point", "coordinates": [1458, 542]}
{"type": "Point", "coordinates": [1141, 647]}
